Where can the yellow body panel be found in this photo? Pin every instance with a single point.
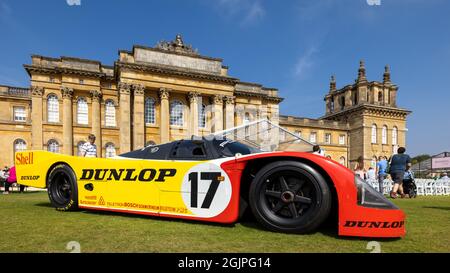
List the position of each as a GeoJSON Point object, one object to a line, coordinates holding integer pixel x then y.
{"type": "Point", "coordinates": [137, 185]}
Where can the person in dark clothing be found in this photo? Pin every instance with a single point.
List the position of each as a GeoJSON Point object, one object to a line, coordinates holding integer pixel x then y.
{"type": "Point", "coordinates": [399, 164]}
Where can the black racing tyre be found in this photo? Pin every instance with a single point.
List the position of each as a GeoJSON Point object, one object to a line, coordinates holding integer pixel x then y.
{"type": "Point", "coordinates": [290, 196]}
{"type": "Point", "coordinates": [62, 188]}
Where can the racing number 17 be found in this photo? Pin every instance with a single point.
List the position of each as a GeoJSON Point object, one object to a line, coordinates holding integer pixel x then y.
{"type": "Point", "coordinates": [193, 178]}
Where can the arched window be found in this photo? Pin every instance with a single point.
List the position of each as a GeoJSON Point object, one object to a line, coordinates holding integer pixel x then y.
{"type": "Point", "coordinates": [176, 113]}
{"type": "Point", "coordinates": [150, 110]}
{"type": "Point", "coordinates": [394, 136]}
{"type": "Point", "coordinates": [79, 145]}
{"type": "Point", "coordinates": [110, 150]}
{"type": "Point", "coordinates": [374, 133]}
{"type": "Point", "coordinates": [19, 145]}
{"type": "Point", "coordinates": [342, 160]}
{"type": "Point", "coordinates": [110, 113]}
{"type": "Point", "coordinates": [384, 135]}
{"type": "Point", "coordinates": [82, 111]}
{"type": "Point", "coordinates": [202, 116]}
{"type": "Point", "coordinates": [53, 146]}
{"type": "Point", "coordinates": [52, 108]}
{"type": "Point", "coordinates": [247, 121]}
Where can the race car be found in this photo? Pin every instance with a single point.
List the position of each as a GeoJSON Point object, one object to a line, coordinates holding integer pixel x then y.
{"type": "Point", "coordinates": [216, 179]}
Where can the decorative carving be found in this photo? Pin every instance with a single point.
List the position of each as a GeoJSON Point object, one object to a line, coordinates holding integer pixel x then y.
{"type": "Point", "coordinates": [67, 92]}
{"type": "Point", "coordinates": [229, 100]}
{"type": "Point", "coordinates": [332, 84]}
{"type": "Point", "coordinates": [386, 75]}
{"type": "Point", "coordinates": [361, 72]}
{"type": "Point", "coordinates": [164, 94]}
{"type": "Point", "coordinates": [217, 99]}
{"type": "Point", "coordinates": [96, 95]}
{"type": "Point", "coordinates": [37, 91]}
{"type": "Point", "coordinates": [193, 97]}
{"type": "Point", "coordinates": [124, 88]}
{"type": "Point", "coordinates": [139, 89]}
{"type": "Point", "coordinates": [176, 45]}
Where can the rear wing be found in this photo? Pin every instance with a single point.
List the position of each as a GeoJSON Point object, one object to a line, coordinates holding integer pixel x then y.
{"type": "Point", "coordinates": [32, 167]}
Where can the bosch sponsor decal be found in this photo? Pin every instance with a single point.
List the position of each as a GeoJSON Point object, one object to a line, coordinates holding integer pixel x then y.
{"type": "Point", "coordinates": [374, 224]}
{"type": "Point", "coordinates": [144, 175]}
{"type": "Point", "coordinates": [24, 158]}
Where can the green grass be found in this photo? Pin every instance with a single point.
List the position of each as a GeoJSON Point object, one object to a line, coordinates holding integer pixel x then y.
{"type": "Point", "coordinates": [30, 224]}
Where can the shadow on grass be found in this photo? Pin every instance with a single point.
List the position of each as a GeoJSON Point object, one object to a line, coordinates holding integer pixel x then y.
{"type": "Point", "coordinates": [440, 208]}
{"type": "Point", "coordinates": [44, 204]}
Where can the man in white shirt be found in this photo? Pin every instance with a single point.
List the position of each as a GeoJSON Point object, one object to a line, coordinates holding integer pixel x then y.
{"type": "Point", "coordinates": [89, 149]}
{"type": "Point", "coordinates": [371, 174]}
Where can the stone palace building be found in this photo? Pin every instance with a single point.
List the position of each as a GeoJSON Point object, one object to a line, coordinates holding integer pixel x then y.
{"type": "Point", "coordinates": [153, 95]}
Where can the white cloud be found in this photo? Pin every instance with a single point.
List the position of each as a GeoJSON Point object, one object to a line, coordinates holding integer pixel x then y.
{"type": "Point", "coordinates": [305, 63]}
{"type": "Point", "coordinates": [248, 12]}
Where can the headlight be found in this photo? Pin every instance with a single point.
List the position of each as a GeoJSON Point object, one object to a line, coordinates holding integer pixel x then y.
{"type": "Point", "coordinates": [369, 197]}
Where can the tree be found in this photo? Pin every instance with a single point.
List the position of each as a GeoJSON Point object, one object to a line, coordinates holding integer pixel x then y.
{"type": "Point", "coordinates": [420, 158]}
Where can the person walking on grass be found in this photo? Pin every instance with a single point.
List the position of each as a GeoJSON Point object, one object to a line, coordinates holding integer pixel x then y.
{"type": "Point", "coordinates": [89, 149]}
{"type": "Point", "coordinates": [399, 164]}
{"type": "Point", "coordinates": [381, 171]}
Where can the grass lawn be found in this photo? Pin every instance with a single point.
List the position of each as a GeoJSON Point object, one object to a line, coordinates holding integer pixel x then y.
{"type": "Point", "coordinates": [30, 224]}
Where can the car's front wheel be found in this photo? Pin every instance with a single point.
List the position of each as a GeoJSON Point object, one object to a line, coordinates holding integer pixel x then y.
{"type": "Point", "coordinates": [62, 188]}
{"type": "Point", "coordinates": [290, 196]}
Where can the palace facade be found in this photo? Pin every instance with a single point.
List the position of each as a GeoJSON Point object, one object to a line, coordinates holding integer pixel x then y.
{"type": "Point", "coordinates": [153, 95]}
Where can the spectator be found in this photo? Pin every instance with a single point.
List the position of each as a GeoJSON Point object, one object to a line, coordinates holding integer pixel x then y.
{"type": "Point", "coordinates": [444, 177]}
{"type": "Point", "coordinates": [399, 164]}
{"type": "Point", "coordinates": [4, 177]}
{"type": "Point", "coordinates": [318, 151]}
{"type": "Point", "coordinates": [371, 174]}
{"type": "Point", "coordinates": [12, 179]}
{"type": "Point", "coordinates": [89, 149]}
{"type": "Point", "coordinates": [359, 168]}
{"type": "Point", "coordinates": [381, 171]}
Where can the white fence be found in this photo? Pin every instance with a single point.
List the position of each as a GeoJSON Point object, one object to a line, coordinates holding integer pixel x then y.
{"type": "Point", "coordinates": [424, 186]}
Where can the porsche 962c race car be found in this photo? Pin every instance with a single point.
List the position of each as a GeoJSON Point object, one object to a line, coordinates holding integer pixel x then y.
{"type": "Point", "coordinates": [216, 179]}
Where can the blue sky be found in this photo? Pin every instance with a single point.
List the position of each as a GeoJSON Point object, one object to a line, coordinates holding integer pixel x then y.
{"type": "Point", "coordinates": [291, 45]}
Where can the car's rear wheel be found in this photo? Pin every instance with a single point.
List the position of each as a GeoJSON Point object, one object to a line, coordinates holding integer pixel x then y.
{"type": "Point", "coordinates": [290, 196]}
{"type": "Point", "coordinates": [62, 188]}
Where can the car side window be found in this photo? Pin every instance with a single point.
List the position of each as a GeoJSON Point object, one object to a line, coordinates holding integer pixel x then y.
{"type": "Point", "coordinates": [188, 150]}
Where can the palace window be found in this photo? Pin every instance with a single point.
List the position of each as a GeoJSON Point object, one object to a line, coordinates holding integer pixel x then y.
{"type": "Point", "coordinates": [313, 137]}
{"type": "Point", "coordinates": [80, 144]}
{"type": "Point", "coordinates": [328, 138]}
{"type": "Point", "coordinates": [110, 113]}
{"type": "Point", "coordinates": [394, 136]}
{"type": "Point", "coordinates": [384, 135]}
{"type": "Point", "coordinates": [110, 150]}
{"type": "Point", "coordinates": [374, 133]}
{"type": "Point", "coordinates": [52, 108]}
{"type": "Point", "coordinates": [247, 121]}
{"type": "Point", "coordinates": [342, 140]}
{"type": "Point", "coordinates": [19, 145]}
{"type": "Point", "coordinates": [202, 116]}
{"type": "Point", "coordinates": [150, 110]}
{"type": "Point", "coordinates": [176, 113]}
{"type": "Point", "coordinates": [82, 111]}
{"type": "Point", "coordinates": [20, 115]}
{"type": "Point", "coordinates": [53, 146]}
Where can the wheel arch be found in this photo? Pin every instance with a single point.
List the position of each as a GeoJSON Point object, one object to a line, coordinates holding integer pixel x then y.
{"type": "Point", "coordinates": [254, 165]}
{"type": "Point", "coordinates": [53, 166]}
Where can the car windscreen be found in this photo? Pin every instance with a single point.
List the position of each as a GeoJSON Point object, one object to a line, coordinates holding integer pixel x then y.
{"type": "Point", "coordinates": [229, 148]}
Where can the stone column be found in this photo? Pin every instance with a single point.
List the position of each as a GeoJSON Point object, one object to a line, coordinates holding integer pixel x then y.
{"type": "Point", "coordinates": [229, 112]}
{"type": "Point", "coordinates": [193, 113]}
{"type": "Point", "coordinates": [138, 117]}
{"type": "Point", "coordinates": [125, 116]}
{"type": "Point", "coordinates": [97, 120]}
{"type": "Point", "coordinates": [36, 117]}
{"type": "Point", "coordinates": [67, 94]}
{"type": "Point", "coordinates": [217, 113]}
{"type": "Point", "coordinates": [164, 115]}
